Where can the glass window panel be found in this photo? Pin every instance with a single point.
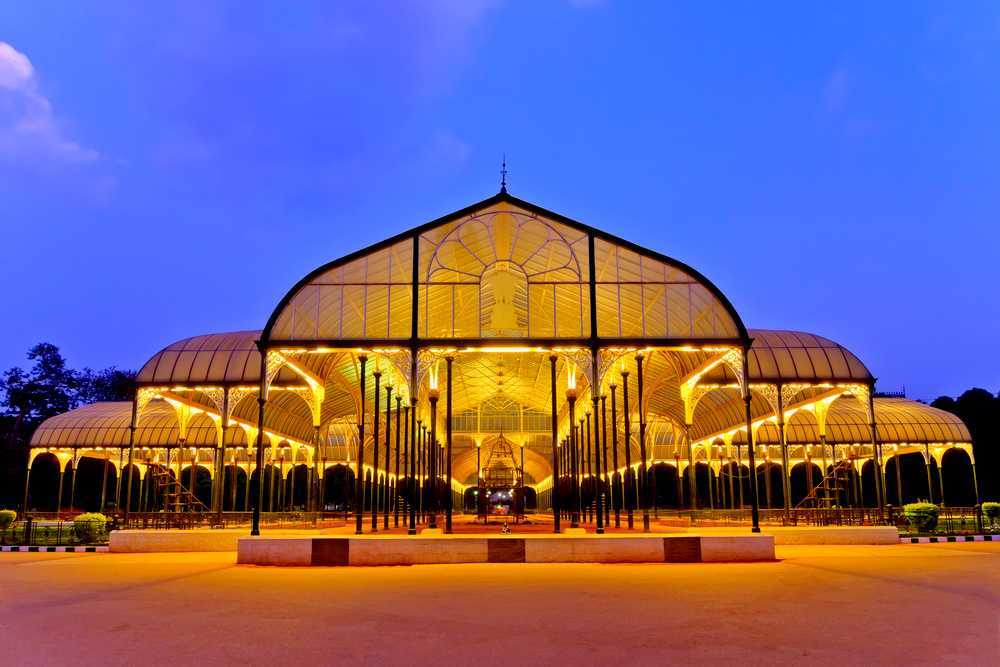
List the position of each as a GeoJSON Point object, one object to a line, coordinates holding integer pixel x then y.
{"type": "Point", "coordinates": [803, 366]}
{"type": "Point", "coordinates": [377, 311]}
{"type": "Point", "coordinates": [182, 367]}
{"type": "Point", "coordinates": [630, 313]}
{"type": "Point", "coordinates": [353, 324]}
{"type": "Point", "coordinates": [820, 363]}
{"type": "Point", "coordinates": [304, 312]}
{"type": "Point", "coordinates": [438, 311]}
{"type": "Point", "coordinates": [702, 312]}
{"type": "Point", "coordinates": [604, 261]}
{"type": "Point", "coordinates": [573, 316]}
{"type": "Point", "coordinates": [330, 303]}
{"type": "Point", "coordinates": [402, 262]}
{"type": "Point", "coordinates": [401, 311]}
{"type": "Point", "coordinates": [466, 311]}
{"type": "Point", "coordinates": [628, 266]}
{"type": "Point", "coordinates": [608, 322]}
{"type": "Point", "coordinates": [165, 366]}
{"type": "Point", "coordinates": [653, 271]}
{"type": "Point", "coordinates": [356, 271]}
{"type": "Point", "coordinates": [678, 311]}
{"type": "Point", "coordinates": [654, 309]}
{"type": "Point", "coordinates": [541, 316]}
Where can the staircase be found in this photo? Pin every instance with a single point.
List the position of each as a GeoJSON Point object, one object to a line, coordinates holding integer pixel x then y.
{"type": "Point", "coordinates": [176, 497]}
{"type": "Point", "coordinates": [831, 488]}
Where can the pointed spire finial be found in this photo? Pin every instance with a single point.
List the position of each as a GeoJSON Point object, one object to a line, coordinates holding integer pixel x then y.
{"type": "Point", "coordinates": [503, 174]}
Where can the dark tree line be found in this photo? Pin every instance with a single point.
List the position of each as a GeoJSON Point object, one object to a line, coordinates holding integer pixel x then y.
{"type": "Point", "coordinates": [980, 410]}
{"type": "Point", "coordinates": [47, 388]}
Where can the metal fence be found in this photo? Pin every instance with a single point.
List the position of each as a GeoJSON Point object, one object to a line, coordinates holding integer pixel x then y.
{"type": "Point", "coordinates": [951, 520]}
{"type": "Point", "coordinates": [41, 531]}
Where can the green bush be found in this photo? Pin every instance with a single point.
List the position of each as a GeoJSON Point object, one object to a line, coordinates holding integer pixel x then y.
{"type": "Point", "coordinates": [7, 518]}
{"type": "Point", "coordinates": [91, 527]}
{"type": "Point", "coordinates": [990, 510]}
{"type": "Point", "coordinates": [923, 517]}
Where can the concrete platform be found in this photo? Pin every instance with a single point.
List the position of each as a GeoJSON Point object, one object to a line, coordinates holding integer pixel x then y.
{"type": "Point", "coordinates": [151, 541]}
{"type": "Point", "coordinates": [444, 549]}
{"type": "Point", "coordinates": [818, 535]}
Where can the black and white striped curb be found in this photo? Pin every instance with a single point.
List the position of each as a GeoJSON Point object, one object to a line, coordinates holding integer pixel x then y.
{"type": "Point", "coordinates": [952, 538]}
{"type": "Point", "coordinates": [49, 550]}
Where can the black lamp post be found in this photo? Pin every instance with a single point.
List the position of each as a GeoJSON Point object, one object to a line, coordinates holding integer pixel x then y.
{"type": "Point", "coordinates": [373, 492]}
{"type": "Point", "coordinates": [629, 494]}
{"type": "Point", "coordinates": [359, 489]}
{"type": "Point", "coordinates": [617, 487]}
{"type": "Point", "coordinates": [598, 491]}
{"type": "Point", "coordinates": [574, 521]}
{"type": "Point", "coordinates": [432, 452]}
{"type": "Point", "coordinates": [643, 484]}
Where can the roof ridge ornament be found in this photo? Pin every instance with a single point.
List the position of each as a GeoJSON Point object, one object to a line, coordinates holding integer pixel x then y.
{"type": "Point", "coordinates": [503, 174]}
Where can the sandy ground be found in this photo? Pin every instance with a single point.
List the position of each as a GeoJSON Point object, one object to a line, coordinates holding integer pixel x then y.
{"type": "Point", "coordinates": [918, 604]}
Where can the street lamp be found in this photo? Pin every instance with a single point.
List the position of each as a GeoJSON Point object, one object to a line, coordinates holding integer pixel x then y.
{"type": "Point", "coordinates": [432, 469]}
{"type": "Point", "coordinates": [574, 472]}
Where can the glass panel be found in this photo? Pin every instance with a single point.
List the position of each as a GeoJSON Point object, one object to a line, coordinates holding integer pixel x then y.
{"type": "Point", "coordinates": [353, 322]}
{"type": "Point", "coordinates": [541, 311]}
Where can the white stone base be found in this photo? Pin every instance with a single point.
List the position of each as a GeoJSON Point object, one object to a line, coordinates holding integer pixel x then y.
{"type": "Point", "coordinates": [145, 541]}
{"type": "Point", "coordinates": [834, 535]}
{"type": "Point", "coordinates": [442, 549]}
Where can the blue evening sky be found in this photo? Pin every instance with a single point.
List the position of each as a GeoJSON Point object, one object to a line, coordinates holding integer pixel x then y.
{"type": "Point", "coordinates": [169, 169]}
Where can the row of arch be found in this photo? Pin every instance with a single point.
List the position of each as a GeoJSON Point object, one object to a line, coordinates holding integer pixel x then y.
{"type": "Point", "coordinates": [94, 485]}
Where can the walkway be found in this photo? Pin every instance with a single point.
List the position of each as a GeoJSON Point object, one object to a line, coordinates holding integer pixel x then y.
{"type": "Point", "coordinates": [919, 604]}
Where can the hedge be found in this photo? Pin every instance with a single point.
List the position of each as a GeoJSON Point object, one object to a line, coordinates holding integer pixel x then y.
{"type": "Point", "coordinates": [923, 517]}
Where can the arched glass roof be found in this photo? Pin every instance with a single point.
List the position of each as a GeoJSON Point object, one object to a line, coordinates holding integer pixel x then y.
{"type": "Point", "coordinates": [899, 421]}
{"type": "Point", "coordinates": [779, 356]}
{"type": "Point", "coordinates": [209, 359]}
{"type": "Point", "coordinates": [107, 425]}
{"type": "Point", "coordinates": [503, 269]}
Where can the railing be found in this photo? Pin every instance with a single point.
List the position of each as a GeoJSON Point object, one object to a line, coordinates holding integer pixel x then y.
{"type": "Point", "coordinates": [189, 520]}
{"type": "Point", "coordinates": [834, 516]}
{"type": "Point", "coordinates": [40, 531]}
{"type": "Point", "coordinates": [951, 521]}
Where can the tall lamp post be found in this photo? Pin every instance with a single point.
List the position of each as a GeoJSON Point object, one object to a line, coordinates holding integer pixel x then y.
{"type": "Point", "coordinates": [431, 448]}
{"type": "Point", "coordinates": [359, 488]}
{"type": "Point", "coordinates": [628, 493]}
{"type": "Point", "coordinates": [574, 520]}
{"type": "Point", "coordinates": [644, 483]}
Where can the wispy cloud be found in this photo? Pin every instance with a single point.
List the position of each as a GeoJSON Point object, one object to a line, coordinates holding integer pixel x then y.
{"type": "Point", "coordinates": [29, 129]}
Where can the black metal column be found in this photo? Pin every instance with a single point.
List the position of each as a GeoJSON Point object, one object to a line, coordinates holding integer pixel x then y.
{"type": "Point", "coordinates": [359, 486]}
{"type": "Point", "coordinates": [604, 447]}
{"type": "Point", "coordinates": [617, 492]}
{"type": "Point", "coordinates": [644, 483]}
{"type": "Point", "coordinates": [395, 495]}
{"type": "Point", "coordinates": [754, 496]}
{"type": "Point", "coordinates": [447, 427]}
{"type": "Point", "coordinates": [574, 472]}
{"type": "Point", "coordinates": [385, 484]}
{"type": "Point", "coordinates": [555, 447]}
{"type": "Point", "coordinates": [598, 491]}
{"type": "Point", "coordinates": [629, 495]}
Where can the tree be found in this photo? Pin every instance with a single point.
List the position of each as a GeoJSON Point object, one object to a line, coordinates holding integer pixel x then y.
{"type": "Point", "coordinates": [110, 384]}
{"type": "Point", "coordinates": [980, 410]}
{"type": "Point", "coordinates": [48, 388]}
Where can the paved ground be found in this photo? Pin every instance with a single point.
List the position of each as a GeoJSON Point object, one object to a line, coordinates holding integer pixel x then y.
{"type": "Point", "coordinates": [922, 604]}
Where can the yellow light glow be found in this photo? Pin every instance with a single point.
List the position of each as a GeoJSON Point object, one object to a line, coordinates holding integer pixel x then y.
{"type": "Point", "coordinates": [432, 378]}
